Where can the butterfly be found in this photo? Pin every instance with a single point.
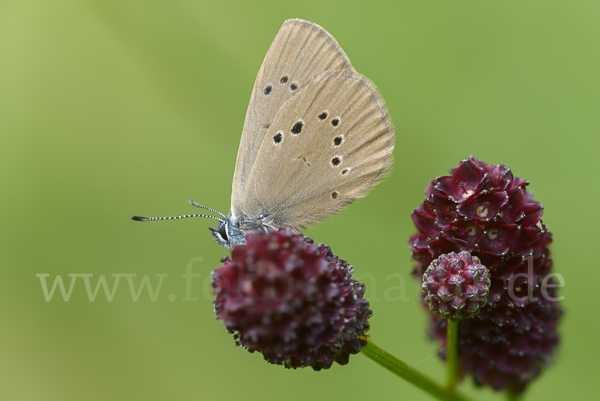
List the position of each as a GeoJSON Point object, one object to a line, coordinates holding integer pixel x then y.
{"type": "Point", "coordinates": [317, 136]}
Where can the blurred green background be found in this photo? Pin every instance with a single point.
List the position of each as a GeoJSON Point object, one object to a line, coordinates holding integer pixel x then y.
{"type": "Point", "coordinates": [114, 108]}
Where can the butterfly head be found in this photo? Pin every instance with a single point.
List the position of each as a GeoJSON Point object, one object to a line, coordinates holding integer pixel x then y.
{"type": "Point", "coordinates": [227, 234]}
{"type": "Point", "coordinates": [220, 234]}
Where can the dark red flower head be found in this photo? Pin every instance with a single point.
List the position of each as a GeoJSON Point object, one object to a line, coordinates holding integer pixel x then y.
{"type": "Point", "coordinates": [487, 211]}
{"type": "Point", "coordinates": [291, 300]}
{"type": "Point", "coordinates": [456, 286]}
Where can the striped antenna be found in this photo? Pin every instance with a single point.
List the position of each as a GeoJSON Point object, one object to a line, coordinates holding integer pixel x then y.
{"type": "Point", "coordinates": [207, 208]}
{"type": "Point", "coordinates": [140, 218]}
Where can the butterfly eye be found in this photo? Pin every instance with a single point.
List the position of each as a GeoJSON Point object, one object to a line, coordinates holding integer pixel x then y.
{"type": "Point", "coordinates": [223, 231]}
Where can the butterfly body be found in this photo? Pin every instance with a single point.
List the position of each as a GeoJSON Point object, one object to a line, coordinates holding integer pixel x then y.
{"type": "Point", "coordinates": [232, 231]}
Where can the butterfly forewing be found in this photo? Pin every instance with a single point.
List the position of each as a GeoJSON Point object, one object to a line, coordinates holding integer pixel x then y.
{"type": "Point", "coordinates": [301, 51]}
{"type": "Point", "coordinates": [327, 145]}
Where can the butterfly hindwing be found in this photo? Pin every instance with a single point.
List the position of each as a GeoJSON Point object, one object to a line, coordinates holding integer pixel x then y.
{"type": "Point", "coordinates": [327, 145]}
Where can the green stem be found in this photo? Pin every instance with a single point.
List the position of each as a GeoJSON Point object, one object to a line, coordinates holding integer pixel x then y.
{"type": "Point", "coordinates": [512, 396]}
{"type": "Point", "coordinates": [452, 355]}
{"type": "Point", "coordinates": [408, 373]}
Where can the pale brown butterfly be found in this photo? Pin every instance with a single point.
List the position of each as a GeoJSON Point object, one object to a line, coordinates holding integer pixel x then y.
{"type": "Point", "coordinates": [317, 136]}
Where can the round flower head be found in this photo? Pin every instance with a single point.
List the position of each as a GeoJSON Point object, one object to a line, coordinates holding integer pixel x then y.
{"type": "Point", "coordinates": [456, 286]}
{"type": "Point", "coordinates": [291, 300]}
{"type": "Point", "coordinates": [486, 211]}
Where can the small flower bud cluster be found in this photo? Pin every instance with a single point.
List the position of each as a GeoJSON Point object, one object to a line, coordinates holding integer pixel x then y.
{"type": "Point", "coordinates": [456, 286]}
